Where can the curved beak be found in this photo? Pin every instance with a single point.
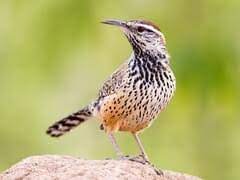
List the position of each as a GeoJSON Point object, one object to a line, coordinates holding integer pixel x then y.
{"type": "Point", "coordinates": [115, 22]}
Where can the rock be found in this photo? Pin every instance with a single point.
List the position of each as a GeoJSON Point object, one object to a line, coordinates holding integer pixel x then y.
{"type": "Point", "coordinates": [48, 167]}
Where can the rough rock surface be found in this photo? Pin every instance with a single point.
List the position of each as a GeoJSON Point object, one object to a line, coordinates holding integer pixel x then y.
{"type": "Point", "coordinates": [48, 167]}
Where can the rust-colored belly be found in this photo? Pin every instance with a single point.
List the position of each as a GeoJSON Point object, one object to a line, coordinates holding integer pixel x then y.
{"type": "Point", "coordinates": [131, 111]}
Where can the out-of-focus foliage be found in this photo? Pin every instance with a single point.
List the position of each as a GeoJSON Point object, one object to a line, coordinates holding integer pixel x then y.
{"type": "Point", "coordinates": [54, 54]}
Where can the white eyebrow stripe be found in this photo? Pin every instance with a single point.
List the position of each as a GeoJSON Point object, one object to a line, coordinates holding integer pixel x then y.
{"type": "Point", "coordinates": [150, 28]}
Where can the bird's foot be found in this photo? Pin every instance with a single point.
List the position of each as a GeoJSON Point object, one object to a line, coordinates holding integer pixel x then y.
{"type": "Point", "coordinates": [140, 159]}
{"type": "Point", "coordinates": [143, 160]}
{"type": "Point", "coordinates": [157, 170]}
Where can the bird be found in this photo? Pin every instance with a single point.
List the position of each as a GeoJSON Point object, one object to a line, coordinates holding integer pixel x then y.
{"type": "Point", "coordinates": [132, 97]}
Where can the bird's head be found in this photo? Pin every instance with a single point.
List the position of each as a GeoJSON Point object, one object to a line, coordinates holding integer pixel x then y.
{"type": "Point", "coordinates": [143, 35]}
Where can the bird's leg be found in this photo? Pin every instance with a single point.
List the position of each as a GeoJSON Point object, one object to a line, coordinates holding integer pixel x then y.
{"type": "Point", "coordinates": [143, 153]}
{"type": "Point", "coordinates": [115, 145]}
{"type": "Point", "coordinates": [144, 156]}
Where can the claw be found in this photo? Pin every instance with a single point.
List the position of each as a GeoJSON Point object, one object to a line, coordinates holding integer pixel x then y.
{"type": "Point", "coordinates": [143, 160]}
{"type": "Point", "coordinates": [124, 157]}
{"type": "Point", "coordinates": [140, 159]}
{"type": "Point", "coordinates": [158, 171]}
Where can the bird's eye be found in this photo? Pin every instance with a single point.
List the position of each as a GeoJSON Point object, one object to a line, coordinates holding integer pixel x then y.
{"type": "Point", "coordinates": [140, 29]}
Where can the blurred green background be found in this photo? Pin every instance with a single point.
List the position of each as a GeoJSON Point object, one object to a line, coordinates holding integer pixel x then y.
{"type": "Point", "coordinates": [54, 55]}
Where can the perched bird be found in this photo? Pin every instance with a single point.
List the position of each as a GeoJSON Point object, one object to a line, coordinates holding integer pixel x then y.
{"type": "Point", "coordinates": [135, 93]}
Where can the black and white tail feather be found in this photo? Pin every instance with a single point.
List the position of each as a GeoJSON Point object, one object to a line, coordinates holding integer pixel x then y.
{"type": "Point", "coordinates": [66, 124]}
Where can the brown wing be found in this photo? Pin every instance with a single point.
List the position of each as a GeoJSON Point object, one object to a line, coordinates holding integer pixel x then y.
{"type": "Point", "coordinates": [115, 82]}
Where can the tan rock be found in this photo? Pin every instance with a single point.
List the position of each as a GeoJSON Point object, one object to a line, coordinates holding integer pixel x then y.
{"type": "Point", "coordinates": [56, 167]}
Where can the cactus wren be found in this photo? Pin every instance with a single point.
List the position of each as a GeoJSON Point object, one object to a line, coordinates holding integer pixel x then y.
{"type": "Point", "coordinates": [136, 92]}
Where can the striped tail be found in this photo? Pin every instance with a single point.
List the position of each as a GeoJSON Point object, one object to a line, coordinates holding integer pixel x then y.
{"type": "Point", "coordinates": [64, 125]}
